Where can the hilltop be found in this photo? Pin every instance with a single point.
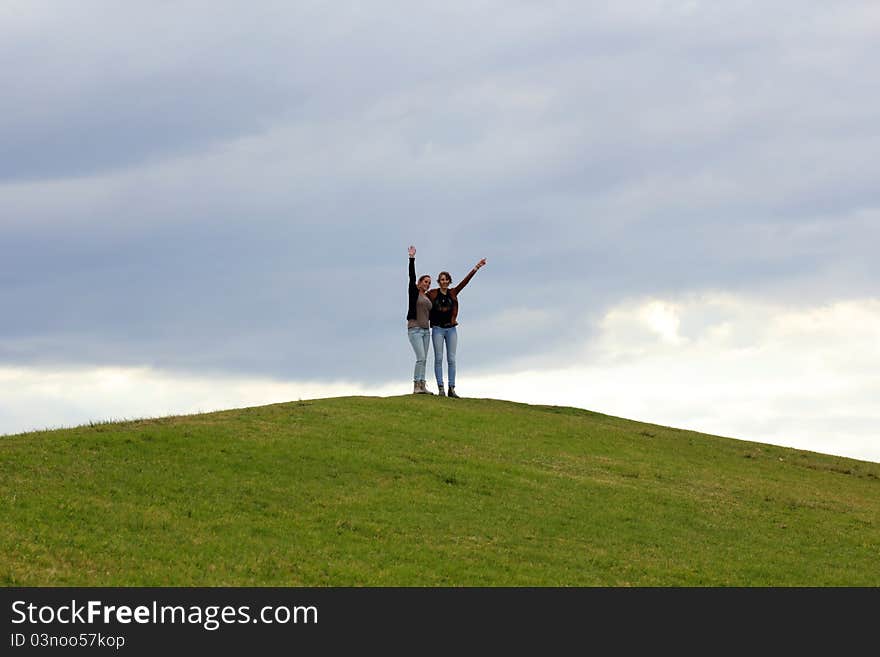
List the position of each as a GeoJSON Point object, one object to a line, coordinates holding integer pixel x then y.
{"type": "Point", "coordinates": [424, 491]}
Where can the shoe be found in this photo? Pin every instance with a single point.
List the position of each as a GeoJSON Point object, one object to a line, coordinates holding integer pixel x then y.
{"type": "Point", "coordinates": [423, 390]}
{"type": "Point", "coordinates": [416, 388]}
{"type": "Point", "coordinates": [451, 393]}
{"type": "Point", "coordinates": [440, 390]}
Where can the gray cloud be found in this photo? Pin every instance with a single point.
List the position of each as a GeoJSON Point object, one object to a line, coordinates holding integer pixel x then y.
{"type": "Point", "coordinates": [196, 187]}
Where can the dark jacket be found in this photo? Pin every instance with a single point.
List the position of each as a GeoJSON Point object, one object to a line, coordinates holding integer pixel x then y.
{"type": "Point", "coordinates": [413, 291]}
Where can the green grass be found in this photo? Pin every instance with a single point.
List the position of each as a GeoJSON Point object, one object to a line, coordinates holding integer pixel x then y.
{"type": "Point", "coordinates": [424, 491]}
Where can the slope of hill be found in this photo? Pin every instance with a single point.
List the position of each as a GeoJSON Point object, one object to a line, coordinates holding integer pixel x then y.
{"type": "Point", "coordinates": [423, 491]}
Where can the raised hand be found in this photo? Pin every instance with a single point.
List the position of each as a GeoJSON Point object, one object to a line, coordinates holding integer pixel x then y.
{"type": "Point", "coordinates": [481, 263]}
{"type": "Point", "coordinates": [412, 252]}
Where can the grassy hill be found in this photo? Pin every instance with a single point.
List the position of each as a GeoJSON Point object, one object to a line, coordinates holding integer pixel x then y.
{"type": "Point", "coordinates": [420, 491]}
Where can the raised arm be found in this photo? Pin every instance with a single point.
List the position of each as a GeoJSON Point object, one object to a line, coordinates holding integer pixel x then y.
{"type": "Point", "coordinates": [412, 266]}
{"type": "Point", "coordinates": [458, 288]}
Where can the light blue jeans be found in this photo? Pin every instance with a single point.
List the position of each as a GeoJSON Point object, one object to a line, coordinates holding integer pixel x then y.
{"type": "Point", "coordinates": [420, 339]}
{"type": "Point", "coordinates": [449, 336]}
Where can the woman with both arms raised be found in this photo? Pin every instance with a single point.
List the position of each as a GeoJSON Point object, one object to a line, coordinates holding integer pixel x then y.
{"type": "Point", "coordinates": [444, 320]}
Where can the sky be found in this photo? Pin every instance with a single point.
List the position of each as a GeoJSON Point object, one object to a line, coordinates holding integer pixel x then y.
{"type": "Point", "coordinates": [207, 205]}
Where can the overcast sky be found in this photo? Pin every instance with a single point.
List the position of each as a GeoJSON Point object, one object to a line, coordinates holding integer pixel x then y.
{"type": "Point", "coordinates": [207, 205]}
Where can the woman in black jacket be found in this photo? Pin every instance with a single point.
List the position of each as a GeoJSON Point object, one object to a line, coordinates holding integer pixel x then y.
{"type": "Point", "coordinates": [418, 323]}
